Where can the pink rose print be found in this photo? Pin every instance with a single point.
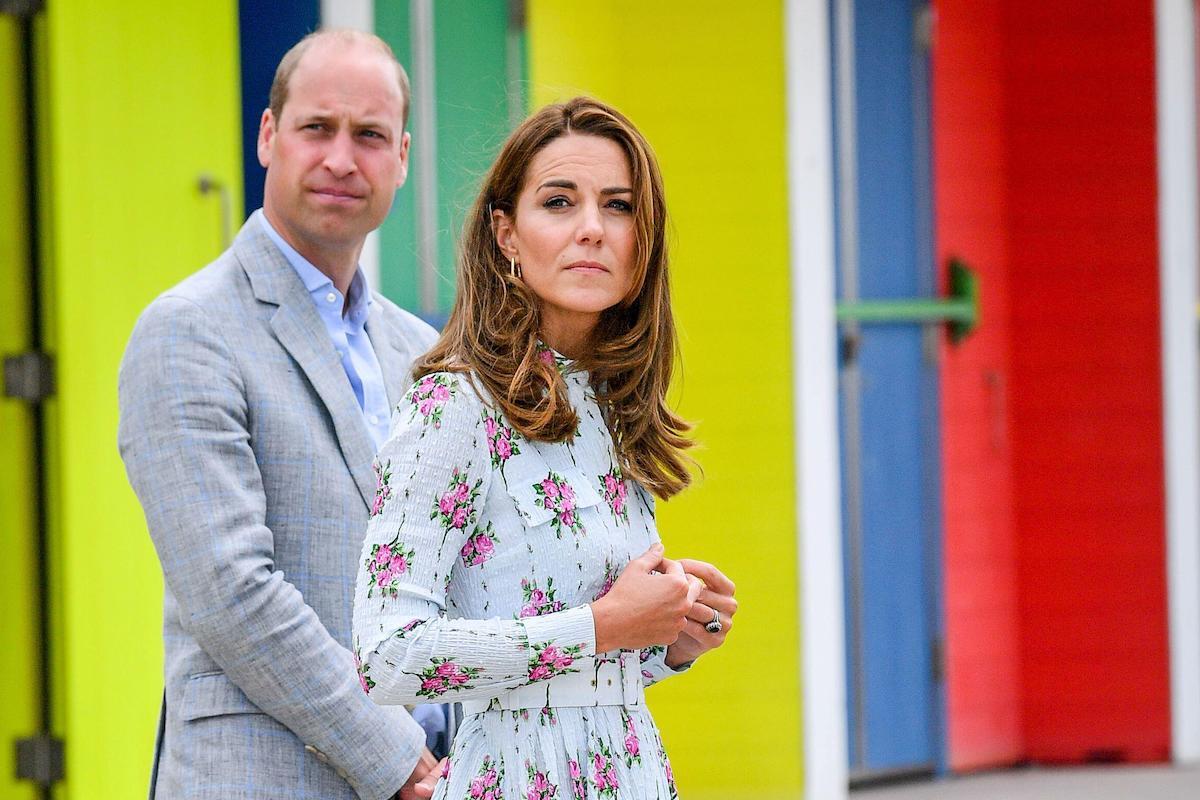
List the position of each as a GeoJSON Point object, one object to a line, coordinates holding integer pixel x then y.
{"type": "Point", "coordinates": [604, 772]}
{"type": "Point", "coordinates": [383, 474]}
{"type": "Point", "coordinates": [670, 777]}
{"type": "Point", "coordinates": [364, 680]}
{"type": "Point", "coordinates": [549, 660]}
{"type": "Point", "coordinates": [479, 547]}
{"type": "Point", "coordinates": [444, 676]}
{"type": "Point", "coordinates": [578, 788]}
{"type": "Point", "coordinates": [429, 397]}
{"type": "Point", "coordinates": [612, 486]}
{"type": "Point", "coordinates": [456, 507]}
{"type": "Point", "coordinates": [501, 439]}
{"type": "Point", "coordinates": [445, 774]}
{"type": "Point", "coordinates": [555, 494]}
{"type": "Point", "coordinates": [538, 602]}
{"type": "Point", "coordinates": [611, 573]}
{"type": "Point", "coordinates": [632, 745]}
{"type": "Point", "coordinates": [486, 784]}
{"type": "Point", "coordinates": [540, 787]}
{"type": "Point", "coordinates": [385, 565]}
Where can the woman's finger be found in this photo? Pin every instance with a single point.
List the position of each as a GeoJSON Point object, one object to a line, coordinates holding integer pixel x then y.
{"type": "Point", "coordinates": [702, 614]}
{"type": "Point", "coordinates": [721, 602]}
{"type": "Point", "coordinates": [713, 577]}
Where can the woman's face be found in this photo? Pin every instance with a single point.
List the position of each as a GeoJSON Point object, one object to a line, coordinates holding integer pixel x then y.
{"type": "Point", "coordinates": [573, 233]}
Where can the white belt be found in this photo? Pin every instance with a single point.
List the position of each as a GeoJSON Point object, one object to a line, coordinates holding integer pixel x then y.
{"type": "Point", "coordinates": [610, 682]}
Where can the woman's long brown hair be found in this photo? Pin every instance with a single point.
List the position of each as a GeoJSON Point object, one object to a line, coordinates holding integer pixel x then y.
{"type": "Point", "coordinates": [493, 327]}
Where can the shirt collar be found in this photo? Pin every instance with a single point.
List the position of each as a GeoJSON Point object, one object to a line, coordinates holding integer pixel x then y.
{"type": "Point", "coordinates": [318, 283]}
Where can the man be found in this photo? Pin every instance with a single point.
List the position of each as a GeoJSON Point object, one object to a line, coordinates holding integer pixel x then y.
{"type": "Point", "coordinates": [253, 397]}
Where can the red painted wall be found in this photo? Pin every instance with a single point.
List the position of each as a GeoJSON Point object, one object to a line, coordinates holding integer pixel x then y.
{"type": "Point", "coordinates": [1055, 585]}
{"type": "Point", "coordinates": [1086, 403]}
{"type": "Point", "coordinates": [971, 216]}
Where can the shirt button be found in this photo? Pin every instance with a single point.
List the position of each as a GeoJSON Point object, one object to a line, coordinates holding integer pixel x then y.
{"type": "Point", "coordinates": [374, 419]}
{"type": "Point", "coordinates": [331, 297]}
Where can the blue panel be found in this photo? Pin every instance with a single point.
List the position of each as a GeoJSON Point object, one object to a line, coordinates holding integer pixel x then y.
{"type": "Point", "coordinates": [892, 617]}
{"type": "Point", "coordinates": [266, 31]}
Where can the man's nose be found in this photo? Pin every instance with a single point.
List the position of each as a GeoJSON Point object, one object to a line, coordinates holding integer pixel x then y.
{"type": "Point", "coordinates": [339, 156]}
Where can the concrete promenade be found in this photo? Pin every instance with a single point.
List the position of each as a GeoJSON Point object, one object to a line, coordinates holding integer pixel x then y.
{"type": "Point", "coordinates": [1081, 783]}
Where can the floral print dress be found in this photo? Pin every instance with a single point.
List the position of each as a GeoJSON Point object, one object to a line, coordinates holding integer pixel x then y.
{"type": "Point", "coordinates": [482, 554]}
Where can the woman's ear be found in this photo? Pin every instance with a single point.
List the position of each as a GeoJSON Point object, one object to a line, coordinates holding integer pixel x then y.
{"type": "Point", "coordinates": [506, 233]}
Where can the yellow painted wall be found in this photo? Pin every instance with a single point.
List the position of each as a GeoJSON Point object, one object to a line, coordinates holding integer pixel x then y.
{"type": "Point", "coordinates": [705, 83]}
{"type": "Point", "coordinates": [142, 97]}
{"type": "Point", "coordinates": [19, 715]}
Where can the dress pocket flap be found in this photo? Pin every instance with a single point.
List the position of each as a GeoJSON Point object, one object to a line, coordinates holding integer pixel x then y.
{"type": "Point", "coordinates": [542, 494]}
{"type": "Point", "coordinates": [211, 695]}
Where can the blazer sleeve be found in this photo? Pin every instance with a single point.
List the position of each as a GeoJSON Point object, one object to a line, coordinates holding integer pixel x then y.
{"type": "Point", "coordinates": [433, 476]}
{"type": "Point", "coordinates": [184, 437]}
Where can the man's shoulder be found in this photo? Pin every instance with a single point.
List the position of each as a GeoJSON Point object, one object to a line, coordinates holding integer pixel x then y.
{"type": "Point", "coordinates": [407, 325]}
{"type": "Point", "coordinates": [213, 287]}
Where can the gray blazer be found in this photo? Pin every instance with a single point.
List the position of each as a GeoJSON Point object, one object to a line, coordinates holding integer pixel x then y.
{"type": "Point", "coordinates": [245, 445]}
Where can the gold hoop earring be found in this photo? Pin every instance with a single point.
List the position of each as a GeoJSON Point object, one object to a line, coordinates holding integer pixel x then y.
{"type": "Point", "coordinates": [514, 268]}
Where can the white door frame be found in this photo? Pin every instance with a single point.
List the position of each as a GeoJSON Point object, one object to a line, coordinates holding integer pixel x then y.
{"type": "Point", "coordinates": [1179, 260]}
{"type": "Point", "coordinates": [814, 371]}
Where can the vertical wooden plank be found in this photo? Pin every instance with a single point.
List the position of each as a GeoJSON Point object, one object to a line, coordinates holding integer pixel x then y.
{"type": "Point", "coordinates": [982, 635]}
{"type": "Point", "coordinates": [142, 98]}
{"type": "Point", "coordinates": [20, 666]}
{"type": "Point", "coordinates": [1087, 380]}
{"type": "Point", "coordinates": [705, 83]}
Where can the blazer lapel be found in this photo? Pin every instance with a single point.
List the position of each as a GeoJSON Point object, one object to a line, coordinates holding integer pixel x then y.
{"type": "Point", "coordinates": [394, 354]}
{"type": "Point", "coordinates": [299, 328]}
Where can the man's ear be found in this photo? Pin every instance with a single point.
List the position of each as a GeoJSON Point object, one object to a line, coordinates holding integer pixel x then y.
{"type": "Point", "coordinates": [402, 173]}
{"type": "Point", "coordinates": [506, 233]}
{"type": "Point", "coordinates": [266, 135]}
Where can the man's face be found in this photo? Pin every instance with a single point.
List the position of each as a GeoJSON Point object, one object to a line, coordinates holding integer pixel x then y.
{"type": "Point", "coordinates": [337, 153]}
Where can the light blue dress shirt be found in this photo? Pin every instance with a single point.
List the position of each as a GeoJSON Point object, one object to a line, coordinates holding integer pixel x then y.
{"type": "Point", "coordinates": [348, 332]}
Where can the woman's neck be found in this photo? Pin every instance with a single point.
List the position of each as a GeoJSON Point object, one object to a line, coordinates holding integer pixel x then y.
{"type": "Point", "coordinates": [569, 334]}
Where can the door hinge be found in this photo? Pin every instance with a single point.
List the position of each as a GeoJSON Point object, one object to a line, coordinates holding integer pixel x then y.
{"type": "Point", "coordinates": [40, 759]}
{"type": "Point", "coordinates": [29, 376]}
{"type": "Point", "coordinates": [937, 659]}
{"type": "Point", "coordinates": [21, 8]}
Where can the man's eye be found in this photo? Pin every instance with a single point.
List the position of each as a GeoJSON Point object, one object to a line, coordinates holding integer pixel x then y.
{"type": "Point", "coordinates": [372, 134]}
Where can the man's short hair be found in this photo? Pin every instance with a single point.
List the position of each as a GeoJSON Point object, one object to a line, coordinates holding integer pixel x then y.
{"type": "Point", "coordinates": [287, 65]}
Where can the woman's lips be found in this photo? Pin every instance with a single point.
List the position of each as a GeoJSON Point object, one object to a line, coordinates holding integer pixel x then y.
{"type": "Point", "coordinates": [587, 268]}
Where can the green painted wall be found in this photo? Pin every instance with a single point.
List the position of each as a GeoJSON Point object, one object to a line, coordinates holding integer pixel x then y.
{"type": "Point", "coordinates": [705, 83]}
{"type": "Point", "coordinates": [472, 119]}
{"type": "Point", "coordinates": [19, 715]}
{"type": "Point", "coordinates": [141, 98]}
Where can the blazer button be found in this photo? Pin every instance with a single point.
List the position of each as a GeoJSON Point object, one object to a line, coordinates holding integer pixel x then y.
{"type": "Point", "coordinates": [324, 759]}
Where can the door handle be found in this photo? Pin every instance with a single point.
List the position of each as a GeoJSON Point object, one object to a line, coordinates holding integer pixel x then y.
{"type": "Point", "coordinates": [207, 184]}
{"type": "Point", "coordinates": [959, 310]}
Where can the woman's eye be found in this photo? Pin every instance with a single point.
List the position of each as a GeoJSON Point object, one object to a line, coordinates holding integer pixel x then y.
{"type": "Point", "coordinates": [621, 205]}
{"type": "Point", "coordinates": [557, 201]}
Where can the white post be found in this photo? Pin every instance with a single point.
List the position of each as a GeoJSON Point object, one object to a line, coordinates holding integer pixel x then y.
{"type": "Point", "coordinates": [814, 329]}
{"type": "Point", "coordinates": [1179, 261]}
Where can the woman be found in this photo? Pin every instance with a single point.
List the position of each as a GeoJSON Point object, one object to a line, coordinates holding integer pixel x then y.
{"type": "Point", "coordinates": [512, 561]}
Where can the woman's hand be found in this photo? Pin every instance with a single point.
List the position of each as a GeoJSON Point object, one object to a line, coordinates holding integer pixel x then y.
{"type": "Point", "coordinates": [717, 596]}
{"type": "Point", "coordinates": [648, 605]}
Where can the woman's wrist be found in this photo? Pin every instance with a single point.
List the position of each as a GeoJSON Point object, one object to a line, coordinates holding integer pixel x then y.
{"type": "Point", "coordinates": [603, 628]}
